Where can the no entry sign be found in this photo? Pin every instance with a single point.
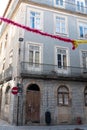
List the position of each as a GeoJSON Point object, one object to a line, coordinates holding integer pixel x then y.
{"type": "Point", "coordinates": [14, 90]}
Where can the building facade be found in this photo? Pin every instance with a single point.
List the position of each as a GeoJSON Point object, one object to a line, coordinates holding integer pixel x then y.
{"type": "Point", "coordinates": [50, 76]}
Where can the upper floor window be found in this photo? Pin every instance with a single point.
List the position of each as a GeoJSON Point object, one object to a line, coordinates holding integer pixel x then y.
{"type": "Point", "coordinates": [35, 19]}
{"type": "Point", "coordinates": [82, 29]}
{"type": "Point", "coordinates": [34, 55]}
{"type": "Point", "coordinates": [84, 59]}
{"type": "Point", "coordinates": [80, 5]}
{"type": "Point", "coordinates": [61, 25]}
{"type": "Point", "coordinates": [59, 3]}
{"type": "Point", "coordinates": [63, 95]}
{"type": "Point", "coordinates": [62, 58]}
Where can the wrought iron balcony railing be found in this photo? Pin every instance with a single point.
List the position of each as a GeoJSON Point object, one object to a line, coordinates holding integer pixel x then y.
{"type": "Point", "coordinates": [52, 70]}
{"type": "Point", "coordinates": [7, 74]}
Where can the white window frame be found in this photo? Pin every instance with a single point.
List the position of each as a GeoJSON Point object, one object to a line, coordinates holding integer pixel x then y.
{"type": "Point", "coordinates": [61, 70]}
{"type": "Point", "coordinates": [81, 61]}
{"type": "Point", "coordinates": [66, 24]}
{"type": "Point", "coordinates": [33, 68]}
{"type": "Point", "coordinates": [58, 5]}
{"type": "Point", "coordinates": [83, 23]}
{"type": "Point", "coordinates": [80, 10]}
{"type": "Point", "coordinates": [29, 9]}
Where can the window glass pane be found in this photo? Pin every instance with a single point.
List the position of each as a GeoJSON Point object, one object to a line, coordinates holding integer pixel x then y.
{"type": "Point", "coordinates": [32, 19]}
{"type": "Point", "coordinates": [84, 59]}
{"type": "Point", "coordinates": [35, 20]}
{"type": "Point", "coordinates": [64, 62]}
{"type": "Point", "coordinates": [81, 31]}
{"type": "Point", "coordinates": [60, 25]}
{"type": "Point", "coordinates": [63, 27]}
{"type": "Point", "coordinates": [60, 99]}
{"type": "Point", "coordinates": [59, 60]}
{"type": "Point", "coordinates": [82, 6]}
{"type": "Point", "coordinates": [63, 89]}
{"type": "Point", "coordinates": [66, 99]}
{"type": "Point", "coordinates": [37, 23]}
{"type": "Point", "coordinates": [78, 5]}
{"type": "Point", "coordinates": [57, 2]}
{"type": "Point", "coordinates": [37, 59]}
{"type": "Point", "coordinates": [61, 2]}
{"type": "Point", "coordinates": [31, 57]}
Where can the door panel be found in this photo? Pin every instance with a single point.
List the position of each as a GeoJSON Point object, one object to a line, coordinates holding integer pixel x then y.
{"type": "Point", "coordinates": [33, 106]}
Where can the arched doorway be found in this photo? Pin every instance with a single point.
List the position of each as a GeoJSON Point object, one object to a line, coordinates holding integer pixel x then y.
{"type": "Point", "coordinates": [33, 104]}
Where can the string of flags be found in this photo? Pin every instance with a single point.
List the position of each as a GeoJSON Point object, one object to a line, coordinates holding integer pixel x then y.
{"type": "Point", "coordinates": [75, 43]}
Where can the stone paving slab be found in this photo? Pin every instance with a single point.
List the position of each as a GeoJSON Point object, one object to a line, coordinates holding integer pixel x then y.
{"type": "Point", "coordinates": [42, 127]}
{"type": "Point", "coordinates": [6, 126]}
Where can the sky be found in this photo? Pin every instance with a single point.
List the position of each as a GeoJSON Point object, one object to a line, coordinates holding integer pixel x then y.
{"type": "Point", "coordinates": [3, 4]}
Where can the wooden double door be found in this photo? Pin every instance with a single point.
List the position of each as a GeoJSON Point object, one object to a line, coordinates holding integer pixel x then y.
{"type": "Point", "coordinates": [33, 106]}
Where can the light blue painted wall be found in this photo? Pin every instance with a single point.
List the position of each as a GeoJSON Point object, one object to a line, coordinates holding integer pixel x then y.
{"type": "Point", "coordinates": [50, 43]}
{"type": "Point", "coordinates": [69, 4]}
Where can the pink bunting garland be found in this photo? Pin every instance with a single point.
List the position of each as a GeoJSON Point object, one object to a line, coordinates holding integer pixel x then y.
{"type": "Point", "coordinates": [37, 31]}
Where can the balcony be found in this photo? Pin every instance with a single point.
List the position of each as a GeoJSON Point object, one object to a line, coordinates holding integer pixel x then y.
{"type": "Point", "coordinates": [6, 75]}
{"type": "Point", "coordinates": [33, 70]}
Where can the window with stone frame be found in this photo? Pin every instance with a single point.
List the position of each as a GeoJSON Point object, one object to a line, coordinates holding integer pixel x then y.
{"type": "Point", "coordinates": [7, 95]}
{"type": "Point", "coordinates": [85, 96]}
{"type": "Point", "coordinates": [59, 3]}
{"type": "Point", "coordinates": [36, 19]}
{"type": "Point", "coordinates": [34, 55]}
{"type": "Point", "coordinates": [62, 58]}
{"type": "Point", "coordinates": [63, 95]}
{"type": "Point", "coordinates": [80, 5]}
{"type": "Point", "coordinates": [61, 25]}
{"type": "Point", "coordinates": [82, 28]}
{"type": "Point", "coordinates": [84, 60]}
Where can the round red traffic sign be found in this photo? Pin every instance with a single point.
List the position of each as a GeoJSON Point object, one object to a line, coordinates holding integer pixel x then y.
{"type": "Point", "coordinates": [14, 90]}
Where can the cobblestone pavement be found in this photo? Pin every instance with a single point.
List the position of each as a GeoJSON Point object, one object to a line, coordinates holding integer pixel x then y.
{"type": "Point", "coordinates": [5, 126]}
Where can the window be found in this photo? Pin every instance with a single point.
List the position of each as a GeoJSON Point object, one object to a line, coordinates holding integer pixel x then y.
{"type": "Point", "coordinates": [82, 29]}
{"type": "Point", "coordinates": [10, 57]}
{"type": "Point", "coordinates": [61, 58]}
{"type": "Point", "coordinates": [85, 96]}
{"type": "Point", "coordinates": [61, 25]}
{"type": "Point", "coordinates": [7, 95]}
{"type": "Point", "coordinates": [34, 55]}
{"type": "Point", "coordinates": [4, 61]}
{"type": "Point", "coordinates": [35, 19]}
{"type": "Point", "coordinates": [59, 3]}
{"type": "Point", "coordinates": [80, 5]}
{"type": "Point", "coordinates": [84, 59]}
{"type": "Point", "coordinates": [63, 95]}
